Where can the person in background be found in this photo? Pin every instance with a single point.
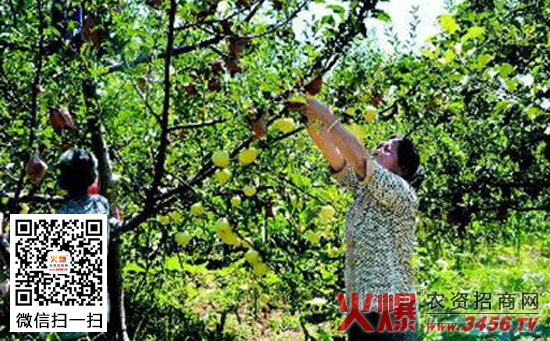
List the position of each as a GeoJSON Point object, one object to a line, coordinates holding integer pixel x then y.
{"type": "Point", "coordinates": [78, 171]}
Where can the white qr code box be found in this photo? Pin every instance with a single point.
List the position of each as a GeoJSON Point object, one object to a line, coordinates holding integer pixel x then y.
{"type": "Point", "coordinates": [58, 273]}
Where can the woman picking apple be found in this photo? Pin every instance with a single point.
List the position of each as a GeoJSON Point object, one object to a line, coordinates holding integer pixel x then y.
{"type": "Point", "coordinates": [380, 225]}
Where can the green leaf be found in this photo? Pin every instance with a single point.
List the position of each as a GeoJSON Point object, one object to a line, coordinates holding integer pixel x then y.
{"type": "Point", "coordinates": [328, 20]}
{"type": "Point", "coordinates": [505, 70]}
{"type": "Point", "coordinates": [448, 23]}
{"type": "Point", "coordinates": [450, 56]}
{"type": "Point", "coordinates": [337, 9]}
{"type": "Point", "coordinates": [532, 111]}
{"type": "Point", "coordinates": [428, 53]}
{"type": "Point", "coordinates": [133, 267]}
{"type": "Point", "coordinates": [511, 84]}
{"type": "Point", "coordinates": [473, 33]}
{"type": "Point", "coordinates": [502, 105]}
{"type": "Point", "coordinates": [483, 60]}
{"type": "Point", "coordinates": [383, 16]}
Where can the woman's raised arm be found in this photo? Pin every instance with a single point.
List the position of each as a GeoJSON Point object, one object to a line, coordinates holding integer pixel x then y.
{"type": "Point", "coordinates": [324, 141]}
{"type": "Point", "coordinates": [348, 145]}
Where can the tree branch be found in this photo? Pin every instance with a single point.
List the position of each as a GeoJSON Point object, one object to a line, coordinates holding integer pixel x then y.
{"type": "Point", "coordinates": [197, 124]}
{"type": "Point", "coordinates": [161, 156]}
{"type": "Point", "coordinates": [173, 52]}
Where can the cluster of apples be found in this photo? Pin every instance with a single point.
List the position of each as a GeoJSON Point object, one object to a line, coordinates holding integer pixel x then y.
{"type": "Point", "coordinates": [236, 47]}
{"type": "Point", "coordinates": [253, 258]}
{"type": "Point", "coordinates": [221, 159]}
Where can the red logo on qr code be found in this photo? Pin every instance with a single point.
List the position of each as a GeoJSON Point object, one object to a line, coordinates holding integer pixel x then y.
{"type": "Point", "coordinates": [58, 273]}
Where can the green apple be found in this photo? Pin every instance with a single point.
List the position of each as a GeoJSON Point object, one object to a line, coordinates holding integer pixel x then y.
{"type": "Point", "coordinates": [249, 191]}
{"type": "Point", "coordinates": [370, 113]}
{"type": "Point", "coordinates": [222, 176]}
{"type": "Point", "coordinates": [264, 299]}
{"type": "Point", "coordinates": [326, 214]}
{"type": "Point", "coordinates": [261, 269]}
{"type": "Point", "coordinates": [252, 257]}
{"type": "Point", "coordinates": [24, 209]}
{"type": "Point", "coordinates": [313, 237]}
{"type": "Point", "coordinates": [284, 125]}
{"type": "Point", "coordinates": [176, 216]}
{"type": "Point", "coordinates": [164, 220]}
{"type": "Point", "coordinates": [235, 201]}
{"type": "Point", "coordinates": [222, 226]}
{"type": "Point", "coordinates": [197, 209]}
{"type": "Point", "coordinates": [220, 158]}
{"type": "Point", "coordinates": [183, 238]}
{"type": "Point", "coordinates": [247, 156]}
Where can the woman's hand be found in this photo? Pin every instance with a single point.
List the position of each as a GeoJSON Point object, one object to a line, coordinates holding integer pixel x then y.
{"type": "Point", "coordinates": [318, 111]}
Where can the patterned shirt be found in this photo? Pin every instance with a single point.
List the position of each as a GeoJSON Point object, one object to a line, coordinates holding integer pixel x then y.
{"type": "Point", "coordinates": [380, 232]}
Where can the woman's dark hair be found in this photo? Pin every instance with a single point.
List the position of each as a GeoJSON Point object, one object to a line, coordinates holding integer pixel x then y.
{"type": "Point", "coordinates": [409, 161]}
{"type": "Point", "coordinates": [78, 171]}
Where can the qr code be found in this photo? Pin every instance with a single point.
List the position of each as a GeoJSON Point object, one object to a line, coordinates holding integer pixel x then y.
{"type": "Point", "coordinates": [58, 266]}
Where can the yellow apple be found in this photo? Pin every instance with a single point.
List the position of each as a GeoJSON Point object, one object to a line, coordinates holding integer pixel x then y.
{"type": "Point", "coordinates": [370, 113]}
{"type": "Point", "coordinates": [326, 214]}
{"type": "Point", "coordinates": [249, 191]}
{"type": "Point", "coordinates": [284, 125]}
{"type": "Point", "coordinates": [235, 201]}
{"type": "Point", "coordinates": [220, 158]}
{"type": "Point", "coordinates": [252, 257]}
{"type": "Point", "coordinates": [223, 176]}
{"type": "Point", "coordinates": [222, 226]}
{"type": "Point", "coordinates": [197, 209]}
{"type": "Point", "coordinates": [164, 220]}
{"type": "Point", "coordinates": [247, 156]}
{"type": "Point", "coordinates": [176, 216]}
{"type": "Point", "coordinates": [261, 269]}
{"type": "Point", "coordinates": [357, 130]}
{"type": "Point", "coordinates": [183, 238]}
{"type": "Point", "coordinates": [230, 238]}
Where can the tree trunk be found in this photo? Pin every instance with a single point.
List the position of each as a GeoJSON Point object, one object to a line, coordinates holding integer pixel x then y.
{"type": "Point", "coordinates": [117, 321]}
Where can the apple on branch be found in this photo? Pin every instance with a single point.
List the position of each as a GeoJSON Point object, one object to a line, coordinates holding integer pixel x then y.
{"type": "Point", "coordinates": [190, 89]}
{"type": "Point", "coordinates": [36, 169]}
{"type": "Point", "coordinates": [247, 156]}
{"type": "Point", "coordinates": [223, 176]}
{"type": "Point", "coordinates": [61, 118]}
{"type": "Point", "coordinates": [183, 238]}
{"type": "Point", "coordinates": [197, 209]}
{"type": "Point", "coordinates": [235, 201]}
{"type": "Point", "coordinates": [284, 125]}
{"type": "Point", "coordinates": [221, 158]}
